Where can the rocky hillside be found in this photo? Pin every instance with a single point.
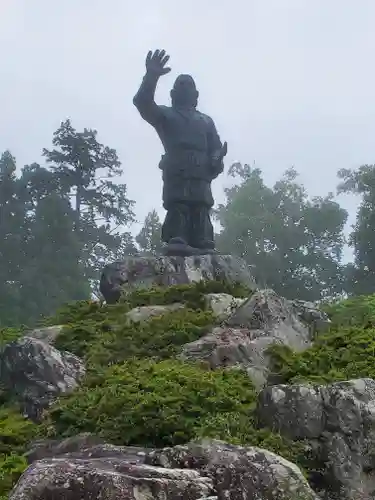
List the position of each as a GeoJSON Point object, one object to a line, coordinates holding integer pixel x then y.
{"type": "Point", "coordinates": [194, 391]}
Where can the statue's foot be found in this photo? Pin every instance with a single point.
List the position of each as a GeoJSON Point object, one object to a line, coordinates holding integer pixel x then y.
{"type": "Point", "coordinates": [206, 247]}
{"type": "Point", "coordinates": [207, 251]}
{"type": "Point", "coordinates": [177, 247]}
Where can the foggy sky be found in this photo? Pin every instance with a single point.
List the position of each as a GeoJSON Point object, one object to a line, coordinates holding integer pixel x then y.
{"type": "Point", "coordinates": [288, 82]}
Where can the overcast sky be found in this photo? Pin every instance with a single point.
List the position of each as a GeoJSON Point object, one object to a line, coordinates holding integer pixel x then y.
{"type": "Point", "coordinates": [288, 82]}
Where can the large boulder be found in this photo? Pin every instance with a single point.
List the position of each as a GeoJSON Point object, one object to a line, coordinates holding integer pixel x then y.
{"type": "Point", "coordinates": [243, 339]}
{"type": "Point", "coordinates": [145, 272]}
{"type": "Point", "coordinates": [144, 313]}
{"type": "Point", "coordinates": [222, 304]}
{"type": "Point", "coordinates": [339, 422]}
{"type": "Point", "coordinates": [47, 334]}
{"type": "Point", "coordinates": [107, 479]}
{"type": "Point", "coordinates": [207, 469]}
{"type": "Point", "coordinates": [310, 314]}
{"type": "Point", "coordinates": [238, 472]}
{"type": "Point", "coordinates": [35, 373]}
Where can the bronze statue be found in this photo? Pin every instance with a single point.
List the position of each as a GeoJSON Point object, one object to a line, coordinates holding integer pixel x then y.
{"type": "Point", "coordinates": [193, 158]}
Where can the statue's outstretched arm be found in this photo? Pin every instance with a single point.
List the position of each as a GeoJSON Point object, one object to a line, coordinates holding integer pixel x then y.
{"type": "Point", "coordinates": [144, 99]}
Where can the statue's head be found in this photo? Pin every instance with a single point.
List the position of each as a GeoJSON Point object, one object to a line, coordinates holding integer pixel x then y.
{"type": "Point", "coordinates": [184, 93]}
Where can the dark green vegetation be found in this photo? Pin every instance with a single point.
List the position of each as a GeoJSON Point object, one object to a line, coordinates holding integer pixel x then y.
{"type": "Point", "coordinates": [56, 225]}
{"type": "Point", "coordinates": [345, 352]}
{"type": "Point", "coordinates": [15, 434]}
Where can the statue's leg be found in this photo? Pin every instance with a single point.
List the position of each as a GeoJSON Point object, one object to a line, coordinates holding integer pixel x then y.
{"type": "Point", "coordinates": [176, 224]}
{"type": "Point", "coordinates": [202, 231]}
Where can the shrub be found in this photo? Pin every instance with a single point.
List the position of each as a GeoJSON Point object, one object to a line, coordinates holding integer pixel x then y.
{"type": "Point", "coordinates": [103, 335]}
{"type": "Point", "coordinates": [11, 468]}
{"type": "Point", "coordinates": [15, 431]}
{"type": "Point", "coordinates": [240, 429]}
{"type": "Point", "coordinates": [192, 295]}
{"type": "Point", "coordinates": [152, 403]}
{"type": "Point", "coordinates": [165, 403]}
{"type": "Point", "coordinates": [7, 335]}
{"type": "Point", "coordinates": [341, 354]}
{"type": "Point", "coordinates": [356, 311]}
{"type": "Point", "coordinates": [104, 343]}
{"type": "Point", "coordinates": [15, 434]}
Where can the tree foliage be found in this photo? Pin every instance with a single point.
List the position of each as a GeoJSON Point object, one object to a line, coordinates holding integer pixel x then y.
{"type": "Point", "coordinates": [84, 169]}
{"type": "Point", "coordinates": [293, 242]}
{"type": "Point", "coordinates": [60, 224]}
{"type": "Point", "coordinates": [149, 237]}
{"type": "Point", "coordinates": [361, 274]}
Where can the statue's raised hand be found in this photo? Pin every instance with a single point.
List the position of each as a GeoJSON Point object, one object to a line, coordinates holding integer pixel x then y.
{"type": "Point", "coordinates": [155, 63]}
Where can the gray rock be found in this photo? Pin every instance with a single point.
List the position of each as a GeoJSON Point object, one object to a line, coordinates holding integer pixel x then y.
{"type": "Point", "coordinates": [107, 479]}
{"type": "Point", "coordinates": [37, 373]}
{"type": "Point", "coordinates": [270, 315]}
{"type": "Point", "coordinates": [232, 347]}
{"type": "Point", "coordinates": [145, 272]}
{"type": "Point", "coordinates": [223, 305]}
{"type": "Point", "coordinates": [48, 448]}
{"type": "Point", "coordinates": [83, 446]}
{"type": "Point", "coordinates": [238, 472]}
{"type": "Point", "coordinates": [206, 470]}
{"type": "Point", "coordinates": [339, 421]}
{"type": "Point", "coordinates": [243, 339]}
{"type": "Point", "coordinates": [317, 320]}
{"type": "Point", "coordinates": [143, 313]}
{"type": "Point", "coordinates": [47, 334]}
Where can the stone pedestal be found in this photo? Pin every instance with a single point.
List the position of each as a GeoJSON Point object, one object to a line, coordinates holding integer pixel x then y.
{"type": "Point", "coordinates": [145, 272]}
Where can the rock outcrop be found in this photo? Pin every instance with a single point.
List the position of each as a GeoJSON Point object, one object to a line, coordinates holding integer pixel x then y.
{"type": "Point", "coordinates": [242, 340]}
{"type": "Point", "coordinates": [202, 470]}
{"type": "Point", "coordinates": [145, 272]}
{"type": "Point", "coordinates": [338, 420]}
{"type": "Point", "coordinates": [47, 334]}
{"type": "Point", "coordinates": [35, 373]}
{"type": "Point", "coordinates": [143, 313]}
{"type": "Point", "coordinates": [310, 314]}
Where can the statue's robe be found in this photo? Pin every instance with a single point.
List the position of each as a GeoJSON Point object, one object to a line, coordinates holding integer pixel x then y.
{"type": "Point", "coordinates": [190, 140]}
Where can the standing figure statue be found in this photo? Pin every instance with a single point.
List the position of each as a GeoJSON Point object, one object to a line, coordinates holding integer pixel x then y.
{"type": "Point", "coordinates": [193, 157]}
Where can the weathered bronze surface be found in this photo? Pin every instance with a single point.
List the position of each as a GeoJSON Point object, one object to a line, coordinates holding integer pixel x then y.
{"type": "Point", "coordinates": [193, 158]}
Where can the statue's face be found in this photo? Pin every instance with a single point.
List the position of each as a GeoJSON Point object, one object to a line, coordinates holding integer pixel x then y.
{"type": "Point", "coordinates": [184, 92]}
